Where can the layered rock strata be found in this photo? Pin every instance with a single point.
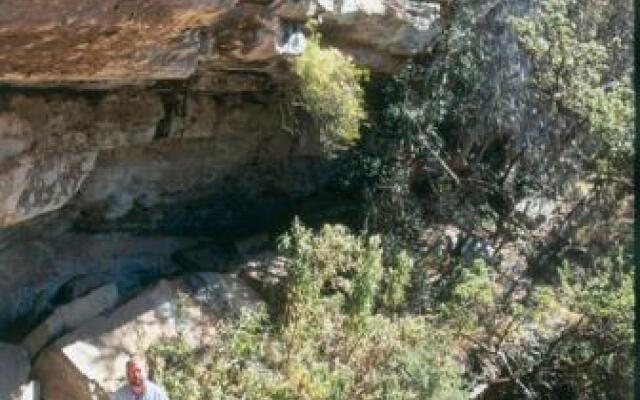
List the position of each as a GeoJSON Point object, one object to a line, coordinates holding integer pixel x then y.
{"type": "Point", "coordinates": [113, 42]}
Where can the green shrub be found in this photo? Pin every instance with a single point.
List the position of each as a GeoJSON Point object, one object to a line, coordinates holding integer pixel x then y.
{"type": "Point", "coordinates": [331, 343]}
{"type": "Point", "coordinates": [469, 299]}
{"type": "Point", "coordinates": [397, 281]}
{"type": "Point", "coordinates": [331, 93]}
{"type": "Point", "coordinates": [573, 72]}
{"type": "Point", "coordinates": [589, 356]}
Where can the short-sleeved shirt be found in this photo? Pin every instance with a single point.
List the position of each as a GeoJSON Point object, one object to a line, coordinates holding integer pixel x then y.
{"type": "Point", "coordinates": [152, 392]}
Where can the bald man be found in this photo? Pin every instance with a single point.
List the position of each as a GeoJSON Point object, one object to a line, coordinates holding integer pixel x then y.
{"type": "Point", "coordinates": [138, 387]}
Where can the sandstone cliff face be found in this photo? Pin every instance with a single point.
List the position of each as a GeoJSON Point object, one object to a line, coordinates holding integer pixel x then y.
{"type": "Point", "coordinates": [134, 144]}
{"type": "Point", "coordinates": [132, 41]}
{"type": "Point", "coordinates": [204, 73]}
{"type": "Point", "coordinates": [159, 117]}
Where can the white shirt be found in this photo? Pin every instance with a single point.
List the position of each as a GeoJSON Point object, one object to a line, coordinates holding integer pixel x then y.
{"type": "Point", "coordinates": [152, 392]}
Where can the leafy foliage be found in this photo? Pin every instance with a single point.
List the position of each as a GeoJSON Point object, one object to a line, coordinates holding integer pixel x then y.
{"type": "Point", "coordinates": [331, 93]}
{"type": "Point", "coordinates": [330, 343]}
{"type": "Point", "coordinates": [589, 356]}
{"type": "Point", "coordinates": [518, 100]}
{"type": "Point", "coordinates": [397, 280]}
{"type": "Point", "coordinates": [573, 76]}
{"type": "Point", "coordinates": [461, 137]}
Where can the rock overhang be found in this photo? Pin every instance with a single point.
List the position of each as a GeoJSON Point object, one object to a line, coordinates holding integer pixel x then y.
{"type": "Point", "coordinates": [110, 43]}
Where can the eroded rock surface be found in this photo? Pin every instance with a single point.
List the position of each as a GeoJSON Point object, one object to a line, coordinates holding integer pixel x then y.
{"type": "Point", "coordinates": [69, 316]}
{"type": "Point", "coordinates": [53, 142]}
{"type": "Point", "coordinates": [130, 41]}
{"type": "Point", "coordinates": [35, 273]}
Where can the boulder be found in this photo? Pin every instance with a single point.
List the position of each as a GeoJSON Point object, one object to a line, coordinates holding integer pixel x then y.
{"type": "Point", "coordinates": [71, 315]}
{"type": "Point", "coordinates": [14, 369]}
{"type": "Point", "coordinates": [90, 362]}
{"type": "Point", "coordinates": [265, 273]}
{"type": "Point", "coordinates": [534, 211]}
{"type": "Point", "coordinates": [221, 295]}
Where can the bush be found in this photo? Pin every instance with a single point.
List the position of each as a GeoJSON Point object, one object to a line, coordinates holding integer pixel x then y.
{"type": "Point", "coordinates": [330, 343]}
{"type": "Point", "coordinates": [330, 91]}
{"type": "Point", "coordinates": [590, 355]}
{"type": "Point", "coordinates": [564, 39]}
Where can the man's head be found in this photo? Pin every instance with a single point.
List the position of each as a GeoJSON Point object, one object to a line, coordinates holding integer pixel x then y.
{"type": "Point", "coordinates": [136, 374]}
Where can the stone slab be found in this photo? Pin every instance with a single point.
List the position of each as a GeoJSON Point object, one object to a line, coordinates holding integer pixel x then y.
{"type": "Point", "coordinates": [71, 315]}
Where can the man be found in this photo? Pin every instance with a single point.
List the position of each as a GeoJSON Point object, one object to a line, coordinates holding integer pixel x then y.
{"type": "Point", "coordinates": [138, 387]}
